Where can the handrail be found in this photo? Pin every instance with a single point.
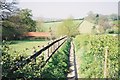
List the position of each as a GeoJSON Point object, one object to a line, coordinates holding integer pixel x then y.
{"type": "Point", "coordinates": [28, 60]}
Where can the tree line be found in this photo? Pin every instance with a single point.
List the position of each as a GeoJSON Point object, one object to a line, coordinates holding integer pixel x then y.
{"type": "Point", "coordinates": [106, 23]}
{"type": "Point", "coordinates": [15, 21]}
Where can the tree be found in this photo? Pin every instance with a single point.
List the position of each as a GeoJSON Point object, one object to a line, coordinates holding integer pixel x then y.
{"type": "Point", "coordinates": [39, 26]}
{"type": "Point", "coordinates": [8, 8]}
{"type": "Point", "coordinates": [98, 20]}
{"type": "Point", "coordinates": [12, 28]}
{"type": "Point", "coordinates": [15, 22]}
{"type": "Point", "coordinates": [113, 17]}
{"type": "Point", "coordinates": [15, 26]}
{"type": "Point", "coordinates": [91, 17]}
{"type": "Point", "coordinates": [26, 18]}
{"type": "Point", "coordinates": [103, 23]}
{"type": "Point", "coordinates": [68, 28]}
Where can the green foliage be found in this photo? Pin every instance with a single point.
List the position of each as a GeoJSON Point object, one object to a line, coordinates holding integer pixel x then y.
{"type": "Point", "coordinates": [101, 22]}
{"type": "Point", "coordinates": [25, 16]}
{"type": "Point", "coordinates": [16, 25]}
{"type": "Point", "coordinates": [113, 17]}
{"type": "Point", "coordinates": [68, 27]}
{"type": "Point", "coordinates": [11, 57]}
{"type": "Point", "coordinates": [39, 26]}
{"type": "Point", "coordinates": [91, 17]}
{"type": "Point", "coordinates": [56, 68]}
{"type": "Point", "coordinates": [58, 65]}
{"type": "Point", "coordinates": [12, 28]}
{"type": "Point", "coordinates": [115, 27]}
{"type": "Point", "coordinates": [8, 59]}
{"type": "Point", "coordinates": [92, 55]}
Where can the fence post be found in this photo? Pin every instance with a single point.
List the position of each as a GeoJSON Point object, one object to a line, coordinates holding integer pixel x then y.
{"type": "Point", "coordinates": [53, 46]}
{"type": "Point", "coordinates": [58, 44]}
{"type": "Point", "coordinates": [34, 51]}
{"type": "Point", "coordinates": [43, 53]}
{"type": "Point", "coordinates": [105, 62]}
{"type": "Point", "coordinates": [48, 52]}
{"type": "Point", "coordinates": [51, 49]}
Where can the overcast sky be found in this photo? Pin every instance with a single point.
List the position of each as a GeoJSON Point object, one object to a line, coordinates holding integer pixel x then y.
{"type": "Point", "coordinates": [66, 9]}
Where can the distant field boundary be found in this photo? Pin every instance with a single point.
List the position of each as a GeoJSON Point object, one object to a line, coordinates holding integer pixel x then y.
{"type": "Point", "coordinates": [60, 20]}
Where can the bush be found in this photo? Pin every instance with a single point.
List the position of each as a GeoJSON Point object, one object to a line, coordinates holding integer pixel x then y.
{"type": "Point", "coordinates": [92, 55]}
{"type": "Point", "coordinates": [58, 65]}
{"type": "Point", "coordinates": [56, 68]}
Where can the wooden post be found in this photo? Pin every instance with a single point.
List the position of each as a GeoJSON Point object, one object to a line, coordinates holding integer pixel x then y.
{"type": "Point", "coordinates": [53, 46]}
{"type": "Point", "coordinates": [43, 53]}
{"type": "Point", "coordinates": [105, 62]}
{"type": "Point", "coordinates": [95, 62]}
{"type": "Point", "coordinates": [51, 49]}
{"type": "Point", "coordinates": [48, 52]}
{"type": "Point", "coordinates": [34, 51]}
{"type": "Point", "coordinates": [58, 44]}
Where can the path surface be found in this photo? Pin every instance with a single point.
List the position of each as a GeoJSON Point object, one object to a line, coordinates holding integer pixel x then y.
{"type": "Point", "coordinates": [72, 75]}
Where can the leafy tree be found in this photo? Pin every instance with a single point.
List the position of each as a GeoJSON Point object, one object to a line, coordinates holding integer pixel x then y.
{"type": "Point", "coordinates": [100, 20]}
{"type": "Point", "coordinates": [67, 27]}
{"type": "Point", "coordinates": [15, 22]}
{"type": "Point", "coordinates": [113, 17]}
{"type": "Point", "coordinates": [8, 9]}
{"type": "Point", "coordinates": [12, 28]}
{"type": "Point", "coordinates": [26, 18]}
{"type": "Point", "coordinates": [103, 22]}
{"type": "Point", "coordinates": [39, 26]}
{"type": "Point", "coordinates": [91, 17]}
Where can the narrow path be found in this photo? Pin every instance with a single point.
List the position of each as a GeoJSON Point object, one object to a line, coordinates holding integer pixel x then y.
{"type": "Point", "coordinates": [72, 74]}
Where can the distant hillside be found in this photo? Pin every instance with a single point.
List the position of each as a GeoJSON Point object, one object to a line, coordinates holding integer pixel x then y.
{"type": "Point", "coordinates": [86, 27]}
{"type": "Point", "coordinates": [53, 25]}
{"type": "Point", "coordinates": [49, 20]}
{"type": "Point", "coordinates": [59, 20]}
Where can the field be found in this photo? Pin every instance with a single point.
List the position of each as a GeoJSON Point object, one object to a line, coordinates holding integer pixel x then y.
{"type": "Point", "coordinates": [90, 53]}
{"type": "Point", "coordinates": [59, 41]}
{"type": "Point", "coordinates": [57, 65]}
{"type": "Point", "coordinates": [54, 25]}
{"type": "Point", "coordinates": [26, 47]}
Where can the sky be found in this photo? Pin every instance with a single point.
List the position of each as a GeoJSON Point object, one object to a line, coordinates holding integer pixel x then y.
{"type": "Point", "coordinates": [65, 9]}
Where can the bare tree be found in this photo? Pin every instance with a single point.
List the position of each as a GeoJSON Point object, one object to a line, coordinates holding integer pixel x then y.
{"type": "Point", "coordinates": [8, 8]}
{"type": "Point", "coordinates": [91, 17]}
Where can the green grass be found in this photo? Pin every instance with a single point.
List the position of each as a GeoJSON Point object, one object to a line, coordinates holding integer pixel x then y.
{"type": "Point", "coordinates": [54, 25]}
{"type": "Point", "coordinates": [26, 47]}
